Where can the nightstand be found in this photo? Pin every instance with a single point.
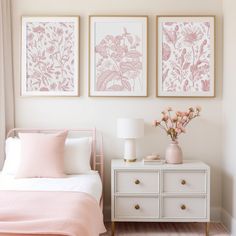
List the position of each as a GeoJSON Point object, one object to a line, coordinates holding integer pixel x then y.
{"type": "Point", "coordinates": [160, 193]}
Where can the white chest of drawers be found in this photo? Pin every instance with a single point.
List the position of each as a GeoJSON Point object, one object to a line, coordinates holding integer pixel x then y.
{"type": "Point", "coordinates": [160, 193]}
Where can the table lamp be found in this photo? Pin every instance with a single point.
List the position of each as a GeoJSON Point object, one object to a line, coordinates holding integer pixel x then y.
{"type": "Point", "coordinates": [130, 129]}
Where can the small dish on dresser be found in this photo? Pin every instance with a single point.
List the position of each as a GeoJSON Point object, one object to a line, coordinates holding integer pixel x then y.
{"type": "Point", "coordinates": [153, 159]}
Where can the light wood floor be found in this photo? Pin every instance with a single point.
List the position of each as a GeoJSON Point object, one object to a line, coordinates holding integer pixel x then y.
{"type": "Point", "coordinates": [166, 229]}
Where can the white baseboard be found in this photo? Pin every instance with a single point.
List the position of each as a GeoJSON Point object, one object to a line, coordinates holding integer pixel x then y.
{"type": "Point", "coordinates": [215, 214]}
{"type": "Point", "coordinates": [228, 221]}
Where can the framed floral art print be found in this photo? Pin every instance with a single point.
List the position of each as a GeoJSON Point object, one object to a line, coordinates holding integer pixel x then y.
{"type": "Point", "coordinates": [50, 51]}
{"type": "Point", "coordinates": [118, 56]}
{"type": "Point", "coordinates": [185, 56]}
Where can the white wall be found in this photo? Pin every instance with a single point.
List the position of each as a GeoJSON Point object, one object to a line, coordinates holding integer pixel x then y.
{"type": "Point", "coordinates": [203, 139]}
{"type": "Point", "coordinates": [229, 117]}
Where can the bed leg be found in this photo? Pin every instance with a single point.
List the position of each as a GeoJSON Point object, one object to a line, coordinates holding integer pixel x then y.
{"type": "Point", "coordinates": [112, 228]}
{"type": "Point", "coordinates": [207, 228]}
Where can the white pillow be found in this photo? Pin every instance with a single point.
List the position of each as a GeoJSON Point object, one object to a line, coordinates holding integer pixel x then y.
{"type": "Point", "coordinates": [76, 158]}
{"type": "Point", "coordinates": [77, 155]}
{"type": "Point", "coordinates": [13, 156]}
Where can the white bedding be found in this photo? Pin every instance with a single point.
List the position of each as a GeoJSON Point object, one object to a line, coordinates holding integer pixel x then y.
{"type": "Point", "coordinates": [88, 183]}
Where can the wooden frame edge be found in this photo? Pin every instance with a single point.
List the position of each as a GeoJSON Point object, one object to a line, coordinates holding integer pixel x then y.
{"type": "Point", "coordinates": [78, 66]}
{"type": "Point", "coordinates": [214, 79]}
{"type": "Point", "coordinates": [89, 61]}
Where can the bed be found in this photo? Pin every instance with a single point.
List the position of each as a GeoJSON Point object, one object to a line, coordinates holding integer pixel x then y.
{"type": "Point", "coordinates": [71, 205]}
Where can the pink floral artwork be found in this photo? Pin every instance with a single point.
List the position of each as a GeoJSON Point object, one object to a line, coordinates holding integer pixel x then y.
{"type": "Point", "coordinates": [50, 57]}
{"type": "Point", "coordinates": [186, 60]}
{"type": "Point", "coordinates": [119, 61]}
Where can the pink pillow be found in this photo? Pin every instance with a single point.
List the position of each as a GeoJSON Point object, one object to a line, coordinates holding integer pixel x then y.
{"type": "Point", "coordinates": [42, 155]}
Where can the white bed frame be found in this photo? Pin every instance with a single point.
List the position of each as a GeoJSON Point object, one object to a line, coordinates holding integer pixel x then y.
{"type": "Point", "coordinates": [97, 156]}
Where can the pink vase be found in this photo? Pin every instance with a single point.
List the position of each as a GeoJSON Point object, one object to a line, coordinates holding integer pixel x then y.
{"type": "Point", "coordinates": [174, 153]}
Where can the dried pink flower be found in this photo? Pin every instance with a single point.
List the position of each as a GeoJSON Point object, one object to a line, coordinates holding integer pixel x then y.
{"type": "Point", "coordinates": [156, 122]}
{"type": "Point", "coordinates": [175, 119]}
{"type": "Point", "coordinates": [178, 113]}
{"type": "Point", "coordinates": [183, 129]}
{"type": "Point", "coordinates": [169, 108]}
{"type": "Point", "coordinates": [175, 125]}
{"type": "Point", "coordinates": [198, 108]}
{"type": "Point", "coordinates": [178, 130]}
{"type": "Point", "coordinates": [165, 118]}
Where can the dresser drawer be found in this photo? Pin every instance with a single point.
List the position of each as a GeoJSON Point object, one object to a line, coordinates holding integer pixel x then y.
{"type": "Point", "coordinates": [184, 207]}
{"type": "Point", "coordinates": [137, 182]}
{"type": "Point", "coordinates": [184, 182]}
{"type": "Point", "coordinates": [136, 207]}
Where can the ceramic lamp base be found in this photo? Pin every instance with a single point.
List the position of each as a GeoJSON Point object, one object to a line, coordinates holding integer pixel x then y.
{"type": "Point", "coordinates": [130, 150]}
{"type": "Point", "coordinates": [130, 160]}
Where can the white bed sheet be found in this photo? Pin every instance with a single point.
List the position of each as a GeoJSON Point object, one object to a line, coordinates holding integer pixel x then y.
{"type": "Point", "coordinates": [88, 183]}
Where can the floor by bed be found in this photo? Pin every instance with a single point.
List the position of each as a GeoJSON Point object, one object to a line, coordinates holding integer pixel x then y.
{"type": "Point", "coordinates": [165, 229]}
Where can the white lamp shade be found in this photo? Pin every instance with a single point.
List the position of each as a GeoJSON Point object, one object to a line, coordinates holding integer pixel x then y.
{"type": "Point", "coordinates": [130, 128]}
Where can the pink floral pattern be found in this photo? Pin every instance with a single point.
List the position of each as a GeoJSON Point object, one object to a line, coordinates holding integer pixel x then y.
{"type": "Point", "coordinates": [119, 62]}
{"type": "Point", "coordinates": [186, 56]}
{"type": "Point", "coordinates": [50, 56]}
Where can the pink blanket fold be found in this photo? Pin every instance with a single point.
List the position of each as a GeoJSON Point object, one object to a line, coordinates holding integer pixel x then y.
{"type": "Point", "coordinates": [49, 213]}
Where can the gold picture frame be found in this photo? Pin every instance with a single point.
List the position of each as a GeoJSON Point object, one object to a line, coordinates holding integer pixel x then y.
{"type": "Point", "coordinates": [205, 88]}
{"type": "Point", "coordinates": [118, 20]}
{"type": "Point", "coordinates": [73, 22]}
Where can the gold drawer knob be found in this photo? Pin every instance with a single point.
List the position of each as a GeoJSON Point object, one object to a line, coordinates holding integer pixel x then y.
{"type": "Point", "coordinates": [137, 207]}
{"type": "Point", "coordinates": [137, 181]}
{"type": "Point", "coordinates": [183, 182]}
{"type": "Point", "coordinates": [183, 207]}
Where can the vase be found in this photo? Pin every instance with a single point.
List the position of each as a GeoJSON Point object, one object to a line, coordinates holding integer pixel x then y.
{"type": "Point", "coordinates": [174, 153]}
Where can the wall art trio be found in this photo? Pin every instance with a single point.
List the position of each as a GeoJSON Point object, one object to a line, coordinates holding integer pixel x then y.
{"type": "Point", "coordinates": [118, 56]}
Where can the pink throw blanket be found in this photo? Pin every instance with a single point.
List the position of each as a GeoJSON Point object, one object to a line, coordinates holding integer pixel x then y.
{"type": "Point", "coordinates": [49, 213]}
